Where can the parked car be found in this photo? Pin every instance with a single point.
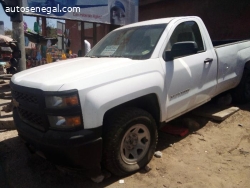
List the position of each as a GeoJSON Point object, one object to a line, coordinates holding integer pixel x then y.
{"type": "Point", "coordinates": [107, 107]}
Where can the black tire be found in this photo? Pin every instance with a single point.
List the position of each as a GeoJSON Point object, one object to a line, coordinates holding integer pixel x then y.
{"type": "Point", "coordinates": [241, 94]}
{"type": "Point", "coordinates": [124, 152]}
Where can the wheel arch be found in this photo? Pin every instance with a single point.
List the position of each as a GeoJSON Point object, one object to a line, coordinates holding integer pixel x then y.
{"type": "Point", "coordinates": [148, 103]}
{"type": "Point", "coordinates": [240, 73]}
{"type": "Point", "coordinates": [247, 65]}
{"type": "Point", "coordinates": [245, 68]}
{"type": "Point", "coordinates": [241, 93]}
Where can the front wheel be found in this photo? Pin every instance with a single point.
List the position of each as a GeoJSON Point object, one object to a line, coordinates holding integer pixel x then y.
{"type": "Point", "coordinates": [241, 94]}
{"type": "Point", "coordinates": [129, 142]}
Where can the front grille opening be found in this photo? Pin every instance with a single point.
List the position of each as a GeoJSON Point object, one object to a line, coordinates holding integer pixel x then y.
{"type": "Point", "coordinates": [34, 118]}
{"type": "Point", "coordinates": [30, 106]}
{"type": "Point", "coordinates": [31, 118]}
{"type": "Point", "coordinates": [25, 97]}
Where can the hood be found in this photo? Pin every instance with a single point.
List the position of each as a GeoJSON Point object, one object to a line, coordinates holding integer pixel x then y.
{"type": "Point", "coordinates": [52, 77]}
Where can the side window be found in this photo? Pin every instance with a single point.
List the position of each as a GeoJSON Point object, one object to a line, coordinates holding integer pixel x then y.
{"type": "Point", "coordinates": [186, 31]}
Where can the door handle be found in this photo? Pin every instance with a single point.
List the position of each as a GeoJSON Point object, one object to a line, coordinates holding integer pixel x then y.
{"type": "Point", "coordinates": [208, 60]}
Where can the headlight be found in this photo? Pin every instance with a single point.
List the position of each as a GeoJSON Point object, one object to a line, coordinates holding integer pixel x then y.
{"type": "Point", "coordinates": [65, 122]}
{"type": "Point", "coordinates": [62, 101]}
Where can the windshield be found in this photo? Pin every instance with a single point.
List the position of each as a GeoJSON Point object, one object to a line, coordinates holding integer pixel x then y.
{"type": "Point", "coordinates": [134, 43]}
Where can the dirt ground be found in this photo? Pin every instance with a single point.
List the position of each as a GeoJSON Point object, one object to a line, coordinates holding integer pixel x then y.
{"type": "Point", "coordinates": [216, 155]}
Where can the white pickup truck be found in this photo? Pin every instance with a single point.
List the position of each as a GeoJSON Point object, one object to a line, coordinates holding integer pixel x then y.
{"type": "Point", "coordinates": [105, 109]}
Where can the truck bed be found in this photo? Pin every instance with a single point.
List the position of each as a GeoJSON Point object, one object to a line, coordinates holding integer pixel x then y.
{"type": "Point", "coordinates": [230, 55]}
{"type": "Point", "coordinates": [221, 43]}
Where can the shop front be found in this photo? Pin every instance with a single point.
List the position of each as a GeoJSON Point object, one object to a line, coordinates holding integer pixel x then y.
{"type": "Point", "coordinates": [85, 25]}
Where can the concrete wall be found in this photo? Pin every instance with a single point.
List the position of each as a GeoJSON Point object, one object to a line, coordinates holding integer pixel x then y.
{"type": "Point", "coordinates": [225, 19]}
{"type": "Point", "coordinates": [74, 35]}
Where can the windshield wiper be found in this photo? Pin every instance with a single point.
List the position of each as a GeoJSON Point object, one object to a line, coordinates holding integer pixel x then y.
{"type": "Point", "coordinates": [117, 56]}
{"type": "Point", "coordinates": [93, 56]}
{"type": "Point", "coordinates": [122, 57]}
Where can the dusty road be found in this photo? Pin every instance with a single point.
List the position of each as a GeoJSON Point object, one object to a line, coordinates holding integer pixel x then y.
{"type": "Point", "coordinates": [217, 155]}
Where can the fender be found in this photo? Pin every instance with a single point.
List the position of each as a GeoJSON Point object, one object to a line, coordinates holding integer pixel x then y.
{"type": "Point", "coordinates": [101, 99]}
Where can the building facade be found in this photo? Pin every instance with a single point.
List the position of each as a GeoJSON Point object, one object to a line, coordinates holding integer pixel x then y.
{"type": "Point", "coordinates": [225, 19]}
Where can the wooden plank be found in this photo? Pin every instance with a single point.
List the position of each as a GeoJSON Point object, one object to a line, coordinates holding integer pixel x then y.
{"type": "Point", "coordinates": [215, 113]}
{"type": "Point", "coordinates": [222, 115]}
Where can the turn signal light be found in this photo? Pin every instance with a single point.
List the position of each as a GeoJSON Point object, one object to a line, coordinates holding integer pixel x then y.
{"type": "Point", "coordinates": [71, 101]}
{"type": "Point", "coordinates": [73, 121]}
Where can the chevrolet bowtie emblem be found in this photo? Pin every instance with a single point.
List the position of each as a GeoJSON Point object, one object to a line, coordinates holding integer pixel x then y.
{"type": "Point", "coordinates": [15, 103]}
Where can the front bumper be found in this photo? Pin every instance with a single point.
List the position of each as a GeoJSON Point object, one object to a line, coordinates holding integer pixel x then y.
{"type": "Point", "coordinates": [74, 149]}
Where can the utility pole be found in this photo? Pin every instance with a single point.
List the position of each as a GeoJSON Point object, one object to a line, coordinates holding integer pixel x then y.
{"type": "Point", "coordinates": [17, 27]}
{"type": "Point", "coordinates": [18, 35]}
{"type": "Point", "coordinates": [38, 46]}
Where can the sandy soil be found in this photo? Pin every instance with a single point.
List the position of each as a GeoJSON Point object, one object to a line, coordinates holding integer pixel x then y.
{"type": "Point", "coordinates": [216, 155]}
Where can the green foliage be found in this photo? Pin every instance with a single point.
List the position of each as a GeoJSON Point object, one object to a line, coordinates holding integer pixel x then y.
{"type": "Point", "coordinates": [51, 30]}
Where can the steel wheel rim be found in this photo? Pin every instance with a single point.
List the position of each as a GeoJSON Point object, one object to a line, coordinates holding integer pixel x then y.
{"type": "Point", "coordinates": [135, 144]}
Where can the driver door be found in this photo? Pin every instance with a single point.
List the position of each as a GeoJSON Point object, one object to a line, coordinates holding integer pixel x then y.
{"type": "Point", "coordinates": [189, 80]}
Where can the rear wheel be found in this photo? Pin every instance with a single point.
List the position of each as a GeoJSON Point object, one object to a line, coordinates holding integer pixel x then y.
{"type": "Point", "coordinates": [241, 94]}
{"type": "Point", "coordinates": [129, 141]}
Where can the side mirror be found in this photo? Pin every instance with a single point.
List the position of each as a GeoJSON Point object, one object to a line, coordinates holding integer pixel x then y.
{"type": "Point", "coordinates": [167, 56]}
{"type": "Point", "coordinates": [181, 49]}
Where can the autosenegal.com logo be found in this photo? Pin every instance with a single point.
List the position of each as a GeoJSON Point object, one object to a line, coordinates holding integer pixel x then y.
{"type": "Point", "coordinates": [56, 7]}
{"type": "Point", "coordinates": [43, 10]}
